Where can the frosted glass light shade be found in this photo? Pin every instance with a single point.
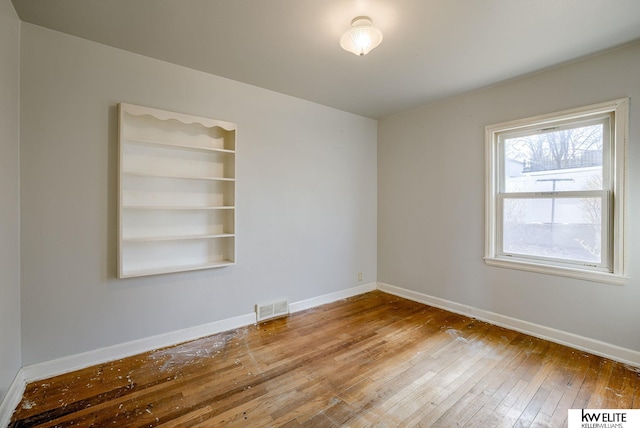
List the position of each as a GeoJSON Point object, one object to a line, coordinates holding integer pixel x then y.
{"type": "Point", "coordinates": [362, 37]}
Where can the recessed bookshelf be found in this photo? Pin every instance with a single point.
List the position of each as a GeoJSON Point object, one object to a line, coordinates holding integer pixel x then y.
{"type": "Point", "coordinates": [176, 192]}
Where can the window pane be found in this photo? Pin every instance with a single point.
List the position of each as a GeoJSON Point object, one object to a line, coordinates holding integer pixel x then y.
{"type": "Point", "coordinates": [562, 228]}
{"type": "Point", "coordinates": [559, 160]}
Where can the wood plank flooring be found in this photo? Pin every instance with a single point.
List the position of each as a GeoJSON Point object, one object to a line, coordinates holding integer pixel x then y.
{"type": "Point", "coordinates": [371, 360]}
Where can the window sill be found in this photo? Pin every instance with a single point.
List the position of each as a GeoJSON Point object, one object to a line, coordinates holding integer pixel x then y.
{"type": "Point", "coordinates": [606, 277]}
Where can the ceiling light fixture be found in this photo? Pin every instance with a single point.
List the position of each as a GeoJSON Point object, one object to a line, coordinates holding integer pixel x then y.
{"type": "Point", "coordinates": [362, 37]}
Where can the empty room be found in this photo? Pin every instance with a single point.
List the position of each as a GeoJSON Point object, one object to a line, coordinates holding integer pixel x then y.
{"type": "Point", "coordinates": [319, 213]}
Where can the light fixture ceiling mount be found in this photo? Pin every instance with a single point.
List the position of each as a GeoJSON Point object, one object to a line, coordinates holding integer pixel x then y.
{"type": "Point", "coordinates": [362, 37]}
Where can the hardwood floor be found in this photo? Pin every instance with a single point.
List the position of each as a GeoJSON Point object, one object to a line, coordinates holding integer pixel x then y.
{"type": "Point", "coordinates": [371, 360]}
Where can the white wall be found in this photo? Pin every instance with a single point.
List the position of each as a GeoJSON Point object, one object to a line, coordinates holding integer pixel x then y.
{"type": "Point", "coordinates": [431, 202]}
{"type": "Point", "coordinates": [9, 195]}
{"type": "Point", "coordinates": [306, 197]}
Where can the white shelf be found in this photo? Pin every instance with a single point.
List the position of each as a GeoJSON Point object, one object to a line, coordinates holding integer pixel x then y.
{"type": "Point", "coordinates": [176, 192]}
{"type": "Point", "coordinates": [178, 237]}
{"type": "Point", "coordinates": [177, 268]}
{"type": "Point", "coordinates": [179, 177]}
{"type": "Point", "coordinates": [178, 146]}
{"type": "Point", "coordinates": [171, 207]}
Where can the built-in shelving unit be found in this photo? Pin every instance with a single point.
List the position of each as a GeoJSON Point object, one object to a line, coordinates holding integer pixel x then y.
{"type": "Point", "coordinates": [176, 192]}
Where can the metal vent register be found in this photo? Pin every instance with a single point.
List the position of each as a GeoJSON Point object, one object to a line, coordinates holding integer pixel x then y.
{"type": "Point", "coordinates": [272, 310]}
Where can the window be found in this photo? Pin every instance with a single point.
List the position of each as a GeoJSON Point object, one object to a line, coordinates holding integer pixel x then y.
{"type": "Point", "coordinates": [555, 193]}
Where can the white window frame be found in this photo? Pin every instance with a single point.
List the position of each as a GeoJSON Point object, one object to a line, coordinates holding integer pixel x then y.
{"type": "Point", "coordinates": [613, 267]}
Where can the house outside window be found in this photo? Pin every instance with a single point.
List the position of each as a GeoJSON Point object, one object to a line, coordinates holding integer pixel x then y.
{"type": "Point", "coordinates": [555, 193]}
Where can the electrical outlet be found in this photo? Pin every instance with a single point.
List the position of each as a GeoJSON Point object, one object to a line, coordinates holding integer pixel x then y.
{"type": "Point", "coordinates": [359, 276]}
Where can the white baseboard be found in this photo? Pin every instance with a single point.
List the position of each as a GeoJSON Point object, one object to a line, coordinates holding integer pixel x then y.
{"type": "Point", "coordinates": [593, 346]}
{"type": "Point", "coordinates": [62, 365]}
{"type": "Point", "coordinates": [331, 297]}
{"type": "Point", "coordinates": [75, 362]}
{"type": "Point", "coordinates": [12, 398]}
{"type": "Point", "coordinates": [102, 355]}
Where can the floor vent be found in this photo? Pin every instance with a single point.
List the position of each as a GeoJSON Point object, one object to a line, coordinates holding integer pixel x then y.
{"type": "Point", "coordinates": [272, 310]}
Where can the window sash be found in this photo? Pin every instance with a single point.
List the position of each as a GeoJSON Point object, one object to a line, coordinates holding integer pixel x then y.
{"type": "Point", "coordinates": [601, 119]}
{"type": "Point", "coordinates": [605, 229]}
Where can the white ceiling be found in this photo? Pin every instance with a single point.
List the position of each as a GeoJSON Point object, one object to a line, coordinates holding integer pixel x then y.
{"type": "Point", "coordinates": [431, 48]}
